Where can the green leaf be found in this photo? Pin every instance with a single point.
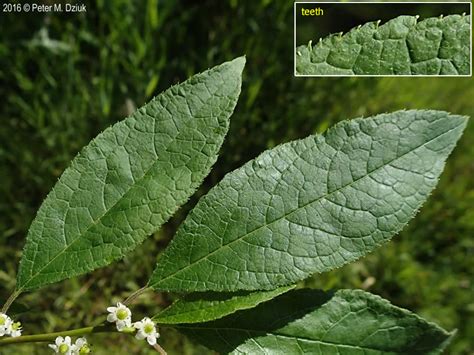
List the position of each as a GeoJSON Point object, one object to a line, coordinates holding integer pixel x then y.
{"type": "Point", "coordinates": [310, 205]}
{"type": "Point", "coordinates": [131, 178]}
{"type": "Point", "coordinates": [402, 46]}
{"type": "Point", "coordinates": [315, 322]}
{"type": "Point", "coordinates": [204, 307]}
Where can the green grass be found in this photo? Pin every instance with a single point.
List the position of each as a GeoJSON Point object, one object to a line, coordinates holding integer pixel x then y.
{"type": "Point", "coordinates": [65, 78]}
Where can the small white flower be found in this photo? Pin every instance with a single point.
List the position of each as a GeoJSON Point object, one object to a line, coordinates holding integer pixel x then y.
{"type": "Point", "coordinates": [15, 330]}
{"type": "Point", "coordinates": [62, 346]}
{"type": "Point", "coordinates": [5, 324]}
{"type": "Point", "coordinates": [146, 329]}
{"type": "Point", "coordinates": [81, 347]}
{"type": "Point", "coordinates": [121, 315]}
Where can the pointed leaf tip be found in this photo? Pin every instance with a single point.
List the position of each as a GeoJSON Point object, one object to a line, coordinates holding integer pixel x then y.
{"type": "Point", "coordinates": [310, 205]}
{"type": "Point", "coordinates": [131, 179]}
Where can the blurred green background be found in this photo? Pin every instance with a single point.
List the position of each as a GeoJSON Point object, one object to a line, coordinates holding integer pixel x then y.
{"type": "Point", "coordinates": [65, 77]}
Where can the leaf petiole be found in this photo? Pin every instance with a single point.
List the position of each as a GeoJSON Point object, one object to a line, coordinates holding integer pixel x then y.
{"type": "Point", "coordinates": [135, 294]}
{"type": "Point", "coordinates": [10, 300]}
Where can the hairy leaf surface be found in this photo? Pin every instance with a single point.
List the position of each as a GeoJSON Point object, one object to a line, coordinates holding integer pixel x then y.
{"type": "Point", "coordinates": [315, 322]}
{"type": "Point", "coordinates": [310, 205]}
{"type": "Point", "coordinates": [402, 46]}
{"type": "Point", "coordinates": [131, 178]}
{"type": "Point", "coordinates": [204, 307]}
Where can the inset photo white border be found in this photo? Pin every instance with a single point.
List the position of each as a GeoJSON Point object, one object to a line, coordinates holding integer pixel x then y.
{"type": "Point", "coordinates": [380, 2]}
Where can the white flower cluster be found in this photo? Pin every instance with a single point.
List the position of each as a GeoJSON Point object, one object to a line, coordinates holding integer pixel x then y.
{"type": "Point", "coordinates": [122, 317]}
{"type": "Point", "coordinates": [9, 327]}
{"type": "Point", "coordinates": [65, 346]}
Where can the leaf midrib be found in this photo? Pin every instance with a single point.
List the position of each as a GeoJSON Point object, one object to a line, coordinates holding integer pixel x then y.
{"type": "Point", "coordinates": [300, 208]}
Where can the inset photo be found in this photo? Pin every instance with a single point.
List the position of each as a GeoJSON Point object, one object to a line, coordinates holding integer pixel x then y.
{"type": "Point", "coordinates": [382, 39]}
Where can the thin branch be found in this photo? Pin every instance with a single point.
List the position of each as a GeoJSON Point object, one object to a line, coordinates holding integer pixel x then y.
{"type": "Point", "coordinates": [38, 338]}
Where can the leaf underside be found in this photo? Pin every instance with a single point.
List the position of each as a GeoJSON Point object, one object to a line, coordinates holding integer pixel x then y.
{"type": "Point", "coordinates": [402, 46]}
{"type": "Point", "coordinates": [204, 307]}
{"type": "Point", "coordinates": [310, 205]}
{"type": "Point", "coordinates": [314, 322]}
{"type": "Point", "coordinates": [130, 179]}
